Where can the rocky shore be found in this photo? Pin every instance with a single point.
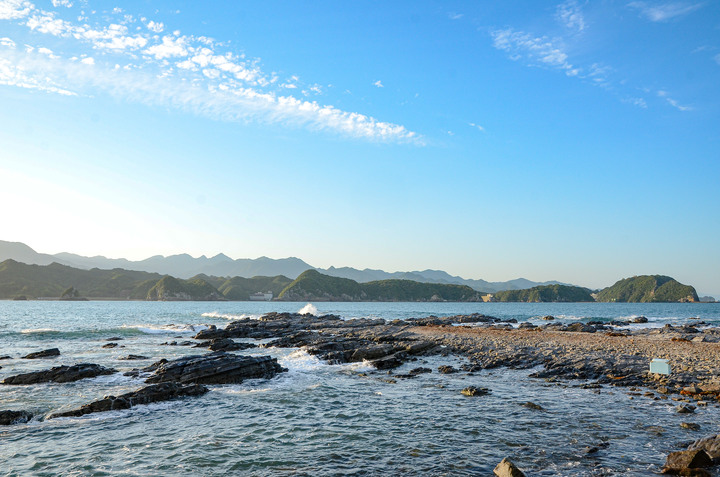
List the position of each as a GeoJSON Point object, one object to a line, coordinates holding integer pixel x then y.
{"type": "Point", "coordinates": [597, 354]}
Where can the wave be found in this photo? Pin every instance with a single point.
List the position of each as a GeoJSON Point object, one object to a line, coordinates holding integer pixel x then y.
{"type": "Point", "coordinates": [229, 316]}
{"type": "Point", "coordinates": [40, 330]}
{"type": "Point", "coordinates": [301, 361]}
{"type": "Point", "coordinates": [166, 329]}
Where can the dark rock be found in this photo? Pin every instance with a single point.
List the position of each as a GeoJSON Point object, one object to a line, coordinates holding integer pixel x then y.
{"type": "Point", "coordinates": [48, 353]}
{"type": "Point", "coordinates": [688, 459]}
{"type": "Point", "coordinates": [225, 344]}
{"type": "Point", "coordinates": [581, 327]}
{"type": "Point", "coordinates": [5, 357]}
{"type": "Point", "coordinates": [507, 469]}
{"type": "Point", "coordinates": [548, 318]}
{"type": "Point", "coordinates": [711, 445]}
{"type": "Point", "coordinates": [387, 363]}
{"type": "Point", "coordinates": [420, 371]}
{"type": "Point", "coordinates": [215, 368]}
{"type": "Point", "coordinates": [60, 374]}
{"type": "Point", "coordinates": [8, 418]}
{"type": "Point", "coordinates": [110, 345]}
{"type": "Point", "coordinates": [640, 319]}
{"type": "Point", "coordinates": [146, 395]}
{"type": "Point", "coordinates": [682, 409]}
{"type": "Point", "coordinates": [445, 369]}
{"type": "Point", "coordinates": [474, 391]}
{"type": "Point", "coordinates": [526, 325]}
{"type": "Point", "coordinates": [132, 357]}
{"type": "Point", "coordinates": [690, 425]}
{"type": "Point", "coordinates": [114, 338]}
{"type": "Point", "coordinates": [533, 406]}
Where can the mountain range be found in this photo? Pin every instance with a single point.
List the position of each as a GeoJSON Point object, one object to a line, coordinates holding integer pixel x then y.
{"type": "Point", "coordinates": [185, 266]}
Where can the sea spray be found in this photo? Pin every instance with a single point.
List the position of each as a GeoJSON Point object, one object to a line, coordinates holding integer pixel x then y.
{"type": "Point", "coordinates": [309, 308]}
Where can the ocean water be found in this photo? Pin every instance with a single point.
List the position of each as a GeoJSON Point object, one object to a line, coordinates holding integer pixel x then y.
{"type": "Point", "coordinates": [320, 419]}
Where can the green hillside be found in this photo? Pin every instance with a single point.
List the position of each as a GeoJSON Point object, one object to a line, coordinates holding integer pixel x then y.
{"type": "Point", "coordinates": [52, 281]}
{"type": "Point", "coordinates": [239, 288]}
{"type": "Point", "coordinates": [648, 288]}
{"type": "Point", "coordinates": [547, 293]}
{"type": "Point", "coordinates": [314, 286]}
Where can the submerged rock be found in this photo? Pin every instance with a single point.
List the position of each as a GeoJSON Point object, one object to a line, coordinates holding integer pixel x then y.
{"type": "Point", "coordinates": [507, 469]}
{"type": "Point", "coordinates": [215, 368]}
{"type": "Point", "coordinates": [8, 418]}
{"type": "Point", "coordinates": [225, 344]}
{"type": "Point", "coordinates": [60, 374]}
{"type": "Point", "coordinates": [473, 391]}
{"type": "Point", "coordinates": [47, 353]}
{"type": "Point", "coordinates": [146, 395]}
{"type": "Point", "coordinates": [132, 357]}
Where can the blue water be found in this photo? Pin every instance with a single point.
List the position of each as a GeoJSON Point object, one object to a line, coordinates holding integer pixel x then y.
{"type": "Point", "coordinates": [319, 419]}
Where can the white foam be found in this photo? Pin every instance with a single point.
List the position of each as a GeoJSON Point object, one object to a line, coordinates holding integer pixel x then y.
{"type": "Point", "coordinates": [167, 329]}
{"type": "Point", "coordinates": [309, 308]}
{"type": "Point", "coordinates": [229, 316]}
{"type": "Point", "coordinates": [40, 330]}
{"type": "Point", "coordinates": [363, 366]}
{"type": "Point", "coordinates": [300, 361]}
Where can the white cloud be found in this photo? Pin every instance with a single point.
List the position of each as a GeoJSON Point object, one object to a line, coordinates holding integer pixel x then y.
{"type": "Point", "coordinates": [717, 58]}
{"type": "Point", "coordinates": [664, 11]}
{"type": "Point", "coordinates": [455, 16]}
{"type": "Point", "coordinates": [477, 126]}
{"type": "Point", "coordinates": [7, 42]}
{"type": "Point", "coordinates": [156, 27]}
{"type": "Point", "coordinates": [570, 15]}
{"type": "Point", "coordinates": [379, 84]}
{"type": "Point", "coordinates": [62, 3]}
{"type": "Point", "coordinates": [219, 86]}
{"type": "Point", "coordinates": [14, 9]}
{"type": "Point", "coordinates": [672, 102]}
{"type": "Point", "coordinates": [536, 50]}
{"type": "Point", "coordinates": [639, 102]}
{"type": "Point", "coordinates": [170, 47]}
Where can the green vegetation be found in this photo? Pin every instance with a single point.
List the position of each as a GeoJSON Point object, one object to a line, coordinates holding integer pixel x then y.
{"type": "Point", "coordinates": [648, 288]}
{"type": "Point", "coordinates": [55, 281]}
{"type": "Point", "coordinates": [547, 293]}
{"type": "Point", "coordinates": [311, 285]}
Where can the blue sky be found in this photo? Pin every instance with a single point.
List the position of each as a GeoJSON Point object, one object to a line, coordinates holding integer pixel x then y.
{"type": "Point", "coordinates": [577, 141]}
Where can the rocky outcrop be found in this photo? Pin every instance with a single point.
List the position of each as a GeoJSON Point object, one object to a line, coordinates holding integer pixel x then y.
{"type": "Point", "coordinates": [146, 395]}
{"type": "Point", "coordinates": [60, 374]}
{"type": "Point", "coordinates": [8, 418]}
{"type": "Point", "coordinates": [507, 469]}
{"type": "Point", "coordinates": [214, 368]}
{"type": "Point", "coordinates": [47, 353]}
{"type": "Point", "coordinates": [679, 463]}
{"type": "Point", "coordinates": [225, 344]}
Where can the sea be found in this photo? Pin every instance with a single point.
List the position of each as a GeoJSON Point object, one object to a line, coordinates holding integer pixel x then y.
{"type": "Point", "coordinates": [320, 419]}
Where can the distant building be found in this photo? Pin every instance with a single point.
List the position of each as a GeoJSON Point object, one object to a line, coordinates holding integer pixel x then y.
{"type": "Point", "coordinates": [260, 296]}
{"type": "Point", "coordinates": [488, 298]}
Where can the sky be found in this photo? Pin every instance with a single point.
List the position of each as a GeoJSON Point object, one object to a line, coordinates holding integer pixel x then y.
{"type": "Point", "coordinates": [573, 140]}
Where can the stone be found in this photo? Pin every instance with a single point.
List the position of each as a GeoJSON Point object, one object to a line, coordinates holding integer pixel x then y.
{"type": "Point", "coordinates": [688, 459]}
{"type": "Point", "coordinates": [149, 394]}
{"type": "Point", "coordinates": [387, 363]}
{"type": "Point", "coordinates": [682, 409]}
{"type": "Point", "coordinates": [61, 374]}
{"type": "Point", "coordinates": [533, 406]}
{"type": "Point", "coordinates": [110, 345]}
{"type": "Point", "coordinates": [548, 318]}
{"type": "Point", "coordinates": [420, 370]}
{"type": "Point", "coordinates": [225, 344]}
{"type": "Point", "coordinates": [690, 425]}
{"type": "Point", "coordinates": [445, 369]}
{"type": "Point", "coordinates": [5, 357]}
{"type": "Point", "coordinates": [474, 391]}
{"type": "Point", "coordinates": [132, 357]}
{"type": "Point", "coordinates": [507, 469]}
{"type": "Point", "coordinates": [8, 418]}
{"type": "Point", "coordinates": [215, 368]}
{"type": "Point", "coordinates": [639, 319]}
{"type": "Point", "coordinates": [581, 327]}
{"type": "Point", "coordinates": [47, 353]}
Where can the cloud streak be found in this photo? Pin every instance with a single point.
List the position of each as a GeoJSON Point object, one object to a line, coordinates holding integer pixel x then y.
{"type": "Point", "coordinates": [664, 11]}
{"type": "Point", "coordinates": [143, 65]}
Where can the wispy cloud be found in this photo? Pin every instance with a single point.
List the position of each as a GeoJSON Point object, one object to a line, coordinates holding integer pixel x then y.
{"type": "Point", "coordinates": [660, 12]}
{"type": "Point", "coordinates": [189, 73]}
{"type": "Point", "coordinates": [717, 58]}
{"type": "Point", "coordinates": [537, 50]}
{"type": "Point", "coordinates": [455, 16]}
{"type": "Point", "coordinates": [665, 95]}
{"type": "Point", "coordinates": [477, 126]}
{"type": "Point", "coordinates": [379, 84]}
{"type": "Point", "coordinates": [570, 15]}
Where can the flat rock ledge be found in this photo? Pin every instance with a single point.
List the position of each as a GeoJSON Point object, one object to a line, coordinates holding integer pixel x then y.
{"type": "Point", "coordinates": [213, 368]}
{"type": "Point", "coordinates": [8, 418]}
{"type": "Point", "coordinates": [46, 353]}
{"type": "Point", "coordinates": [146, 395]}
{"type": "Point", "coordinates": [61, 374]}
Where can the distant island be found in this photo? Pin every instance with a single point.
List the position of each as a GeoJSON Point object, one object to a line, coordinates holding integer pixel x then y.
{"type": "Point", "coordinates": [20, 281]}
